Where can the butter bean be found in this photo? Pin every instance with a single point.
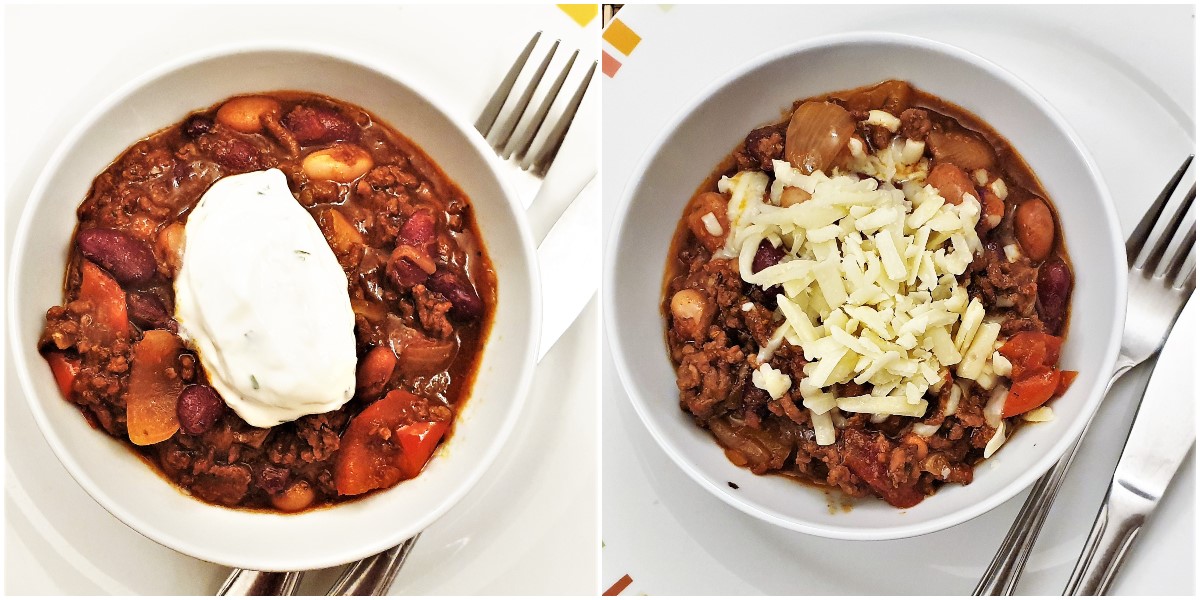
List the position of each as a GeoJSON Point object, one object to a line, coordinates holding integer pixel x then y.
{"type": "Point", "coordinates": [296, 497]}
{"type": "Point", "coordinates": [342, 163]}
{"type": "Point", "coordinates": [245, 113]}
{"type": "Point", "coordinates": [692, 313]}
{"type": "Point", "coordinates": [170, 248]}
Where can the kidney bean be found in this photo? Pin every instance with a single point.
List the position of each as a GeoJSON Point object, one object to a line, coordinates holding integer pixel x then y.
{"type": "Point", "coordinates": [992, 211]}
{"type": "Point", "coordinates": [466, 302]}
{"type": "Point", "coordinates": [1054, 291]}
{"type": "Point", "coordinates": [127, 258]}
{"type": "Point", "coordinates": [1034, 226]}
{"type": "Point", "coordinates": [951, 182]}
{"type": "Point", "coordinates": [199, 407]}
{"type": "Point", "coordinates": [766, 256]}
{"type": "Point", "coordinates": [196, 126]}
{"type": "Point", "coordinates": [148, 312]}
{"type": "Point", "coordinates": [412, 260]}
{"type": "Point", "coordinates": [237, 155]}
{"type": "Point", "coordinates": [318, 125]}
{"type": "Point", "coordinates": [418, 229]}
{"type": "Point", "coordinates": [271, 478]}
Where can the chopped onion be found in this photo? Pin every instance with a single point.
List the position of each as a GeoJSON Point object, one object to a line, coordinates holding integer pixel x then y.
{"type": "Point", "coordinates": [995, 406]}
{"type": "Point", "coordinates": [994, 444]}
{"type": "Point", "coordinates": [925, 430]}
{"type": "Point", "coordinates": [711, 224]}
{"type": "Point", "coordinates": [839, 420]}
{"type": "Point", "coordinates": [960, 148]}
{"type": "Point", "coordinates": [1012, 252]}
{"type": "Point", "coordinates": [952, 402]}
{"type": "Point", "coordinates": [817, 133]}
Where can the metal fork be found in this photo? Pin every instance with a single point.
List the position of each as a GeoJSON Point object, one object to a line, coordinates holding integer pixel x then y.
{"type": "Point", "coordinates": [1156, 296]}
{"type": "Point", "coordinates": [374, 575]}
{"type": "Point", "coordinates": [527, 168]}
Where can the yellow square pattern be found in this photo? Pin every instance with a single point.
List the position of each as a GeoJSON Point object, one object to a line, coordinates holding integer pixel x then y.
{"type": "Point", "coordinates": [621, 37]}
{"type": "Point", "coordinates": [581, 13]}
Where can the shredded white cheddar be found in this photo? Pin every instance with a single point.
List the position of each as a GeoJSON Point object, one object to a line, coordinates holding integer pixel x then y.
{"type": "Point", "coordinates": [869, 281]}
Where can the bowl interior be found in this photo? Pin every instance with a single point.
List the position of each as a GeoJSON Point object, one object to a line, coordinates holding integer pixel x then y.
{"type": "Point", "coordinates": [115, 476]}
{"type": "Point", "coordinates": [713, 125]}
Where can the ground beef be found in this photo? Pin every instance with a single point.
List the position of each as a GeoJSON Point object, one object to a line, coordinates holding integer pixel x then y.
{"type": "Point", "coordinates": [1005, 286]}
{"type": "Point", "coordinates": [915, 124]}
{"type": "Point", "coordinates": [432, 311]}
{"type": "Point", "coordinates": [761, 147]}
{"type": "Point", "coordinates": [708, 374]}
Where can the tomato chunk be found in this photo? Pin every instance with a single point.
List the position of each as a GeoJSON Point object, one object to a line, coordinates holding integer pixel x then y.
{"type": "Point", "coordinates": [1031, 391]}
{"type": "Point", "coordinates": [862, 453]}
{"type": "Point", "coordinates": [109, 311]}
{"type": "Point", "coordinates": [154, 387]}
{"type": "Point", "coordinates": [382, 446]}
{"type": "Point", "coordinates": [1030, 350]}
{"type": "Point", "coordinates": [1068, 377]}
{"type": "Point", "coordinates": [418, 441]}
{"type": "Point", "coordinates": [65, 369]}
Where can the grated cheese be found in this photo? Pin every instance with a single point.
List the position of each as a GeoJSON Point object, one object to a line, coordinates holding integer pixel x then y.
{"type": "Point", "coordinates": [771, 380]}
{"type": "Point", "coordinates": [869, 280]}
{"type": "Point", "coordinates": [1040, 414]}
{"type": "Point", "coordinates": [883, 119]}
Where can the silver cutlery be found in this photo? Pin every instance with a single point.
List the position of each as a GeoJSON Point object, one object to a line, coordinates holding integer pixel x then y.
{"type": "Point", "coordinates": [1154, 303]}
{"type": "Point", "coordinates": [526, 171]}
{"type": "Point", "coordinates": [1163, 433]}
{"type": "Point", "coordinates": [244, 582]}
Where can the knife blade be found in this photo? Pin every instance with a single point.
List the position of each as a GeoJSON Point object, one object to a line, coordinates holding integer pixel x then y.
{"type": "Point", "coordinates": [569, 260]}
{"type": "Point", "coordinates": [1163, 433]}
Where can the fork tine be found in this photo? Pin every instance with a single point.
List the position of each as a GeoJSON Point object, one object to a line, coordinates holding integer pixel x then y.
{"type": "Point", "coordinates": [1181, 255]}
{"type": "Point", "coordinates": [1137, 239]}
{"type": "Point", "coordinates": [488, 117]}
{"type": "Point", "coordinates": [525, 140]}
{"type": "Point", "coordinates": [1189, 282]}
{"type": "Point", "coordinates": [523, 102]}
{"type": "Point", "coordinates": [541, 163]}
{"type": "Point", "coordinates": [1160, 248]}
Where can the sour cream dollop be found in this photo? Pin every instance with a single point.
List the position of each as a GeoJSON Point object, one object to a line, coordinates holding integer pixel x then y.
{"type": "Point", "coordinates": [263, 300]}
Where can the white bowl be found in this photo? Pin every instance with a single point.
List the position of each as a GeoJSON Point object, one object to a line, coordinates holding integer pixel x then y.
{"type": "Point", "coordinates": [131, 490]}
{"type": "Point", "coordinates": [754, 95]}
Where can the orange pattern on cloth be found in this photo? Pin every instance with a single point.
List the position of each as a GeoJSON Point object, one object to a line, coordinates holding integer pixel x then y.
{"type": "Point", "coordinates": [610, 65]}
{"type": "Point", "coordinates": [621, 37]}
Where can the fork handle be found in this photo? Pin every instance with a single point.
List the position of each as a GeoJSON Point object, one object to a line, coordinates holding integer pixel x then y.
{"type": "Point", "coordinates": [1002, 575]}
{"type": "Point", "coordinates": [373, 576]}
{"type": "Point", "coordinates": [245, 582]}
{"type": "Point", "coordinates": [1118, 523]}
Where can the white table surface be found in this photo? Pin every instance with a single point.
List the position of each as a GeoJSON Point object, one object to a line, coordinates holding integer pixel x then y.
{"type": "Point", "coordinates": [1123, 76]}
{"type": "Point", "coordinates": [531, 524]}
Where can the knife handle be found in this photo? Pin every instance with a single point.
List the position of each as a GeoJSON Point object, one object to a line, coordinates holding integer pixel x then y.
{"type": "Point", "coordinates": [1002, 575]}
{"type": "Point", "coordinates": [1117, 525]}
{"type": "Point", "coordinates": [245, 582]}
